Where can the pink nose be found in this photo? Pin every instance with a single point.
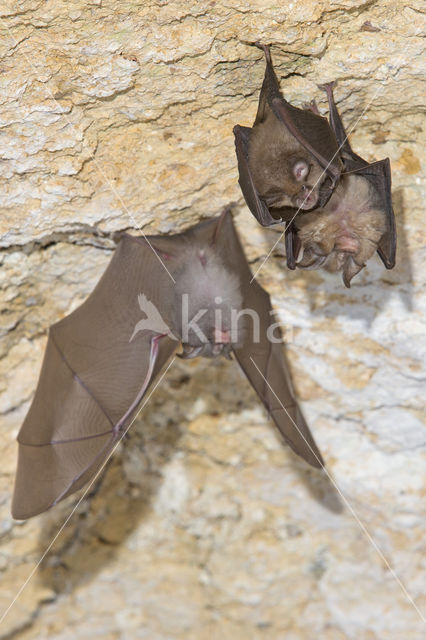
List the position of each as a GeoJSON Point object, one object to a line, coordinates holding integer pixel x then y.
{"type": "Point", "coordinates": [306, 199]}
{"type": "Point", "coordinates": [222, 337]}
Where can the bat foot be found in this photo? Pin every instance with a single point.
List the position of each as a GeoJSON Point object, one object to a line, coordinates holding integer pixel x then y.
{"type": "Point", "coordinates": [328, 88]}
{"type": "Point", "coordinates": [265, 48]}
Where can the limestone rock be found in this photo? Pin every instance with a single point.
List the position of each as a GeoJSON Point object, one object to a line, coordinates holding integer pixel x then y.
{"type": "Point", "coordinates": [119, 115]}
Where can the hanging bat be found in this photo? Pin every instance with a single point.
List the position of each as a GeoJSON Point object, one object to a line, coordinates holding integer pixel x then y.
{"type": "Point", "coordinates": [357, 221]}
{"type": "Point", "coordinates": [288, 161]}
{"type": "Point", "coordinates": [196, 289]}
{"type": "Point", "coordinates": [341, 223]}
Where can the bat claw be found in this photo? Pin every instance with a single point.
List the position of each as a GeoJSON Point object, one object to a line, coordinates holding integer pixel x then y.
{"type": "Point", "coordinates": [350, 270]}
{"type": "Point", "coordinates": [226, 351]}
{"type": "Point", "coordinates": [265, 48]}
{"type": "Point", "coordinates": [314, 107]}
{"type": "Point", "coordinates": [207, 350]}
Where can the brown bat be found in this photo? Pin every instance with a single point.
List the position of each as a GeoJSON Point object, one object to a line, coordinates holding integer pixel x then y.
{"type": "Point", "coordinates": [288, 161]}
{"type": "Point", "coordinates": [357, 221]}
{"type": "Point", "coordinates": [194, 288]}
{"type": "Point", "coordinates": [355, 218]}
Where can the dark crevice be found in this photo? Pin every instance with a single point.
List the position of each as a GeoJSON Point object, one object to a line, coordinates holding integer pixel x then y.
{"type": "Point", "coordinates": [356, 11]}
{"type": "Point", "coordinates": [113, 96]}
{"type": "Point", "coordinates": [291, 74]}
{"type": "Point", "coordinates": [85, 235]}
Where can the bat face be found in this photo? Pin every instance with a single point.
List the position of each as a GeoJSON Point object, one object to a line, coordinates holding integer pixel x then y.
{"type": "Point", "coordinates": [207, 304]}
{"type": "Point", "coordinates": [345, 233]}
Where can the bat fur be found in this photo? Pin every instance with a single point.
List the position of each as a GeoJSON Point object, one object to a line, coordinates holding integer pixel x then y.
{"type": "Point", "coordinates": [345, 233]}
{"type": "Point", "coordinates": [274, 156]}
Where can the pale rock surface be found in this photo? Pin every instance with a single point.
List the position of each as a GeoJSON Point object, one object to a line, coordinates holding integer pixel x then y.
{"type": "Point", "coordinates": [119, 115]}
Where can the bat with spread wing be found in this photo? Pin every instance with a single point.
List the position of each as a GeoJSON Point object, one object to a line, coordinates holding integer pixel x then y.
{"type": "Point", "coordinates": [196, 289]}
{"type": "Point", "coordinates": [342, 212]}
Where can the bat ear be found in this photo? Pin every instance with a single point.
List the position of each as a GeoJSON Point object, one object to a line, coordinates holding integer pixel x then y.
{"type": "Point", "coordinates": [224, 221]}
{"type": "Point", "coordinates": [300, 170]}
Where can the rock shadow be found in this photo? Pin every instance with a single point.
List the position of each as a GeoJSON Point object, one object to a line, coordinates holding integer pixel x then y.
{"type": "Point", "coordinates": [124, 494]}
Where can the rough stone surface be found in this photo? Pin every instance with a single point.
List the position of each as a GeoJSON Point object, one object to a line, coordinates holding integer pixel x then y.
{"type": "Point", "coordinates": [119, 115]}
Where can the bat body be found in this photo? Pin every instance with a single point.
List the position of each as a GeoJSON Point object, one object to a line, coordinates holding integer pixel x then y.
{"type": "Point", "coordinates": [342, 213]}
{"type": "Point", "coordinates": [203, 282]}
{"type": "Point", "coordinates": [288, 161]}
{"type": "Point", "coordinates": [285, 174]}
{"type": "Point", "coordinates": [193, 288]}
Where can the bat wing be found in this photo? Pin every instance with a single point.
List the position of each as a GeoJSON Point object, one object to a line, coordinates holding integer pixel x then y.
{"type": "Point", "coordinates": [292, 245]}
{"type": "Point", "coordinates": [387, 244]}
{"type": "Point", "coordinates": [97, 367]}
{"type": "Point", "coordinates": [377, 173]}
{"type": "Point", "coordinates": [254, 202]}
{"type": "Point", "coordinates": [262, 359]}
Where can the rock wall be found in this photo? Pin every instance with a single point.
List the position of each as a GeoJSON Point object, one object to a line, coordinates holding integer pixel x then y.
{"type": "Point", "coordinates": [119, 115]}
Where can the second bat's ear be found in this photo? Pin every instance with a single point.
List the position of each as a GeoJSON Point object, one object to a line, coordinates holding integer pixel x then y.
{"type": "Point", "coordinates": [166, 248]}
{"type": "Point", "coordinates": [160, 246]}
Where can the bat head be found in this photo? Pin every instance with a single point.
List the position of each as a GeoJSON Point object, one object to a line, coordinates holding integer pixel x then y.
{"type": "Point", "coordinates": [284, 173]}
{"type": "Point", "coordinates": [208, 301]}
{"type": "Point", "coordinates": [290, 181]}
{"type": "Point", "coordinates": [345, 234]}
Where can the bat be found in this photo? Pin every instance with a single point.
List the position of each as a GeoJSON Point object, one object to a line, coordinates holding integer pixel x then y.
{"type": "Point", "coordinates": [357, 221]}
{"type": "Point", "coordinates": [195, 289]}
{"type": "Point", "coordinates": [288, 161]}
{"type": "Point", "coordinates": [346, 214]}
